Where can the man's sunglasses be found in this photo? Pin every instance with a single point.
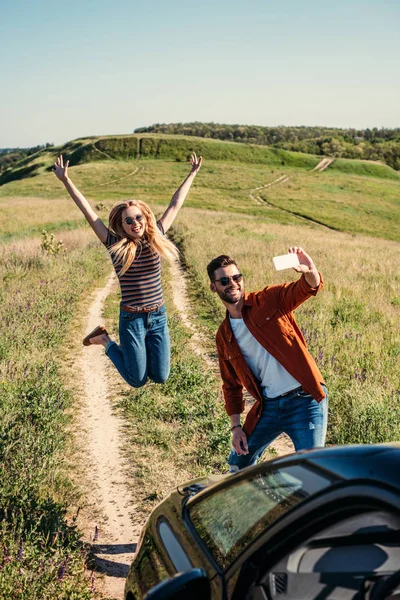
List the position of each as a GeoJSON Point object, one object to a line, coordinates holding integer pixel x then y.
{"type": "Point", "coordinates": [225, 280]}
{"type": "Point", "coordinates": [130, 220]}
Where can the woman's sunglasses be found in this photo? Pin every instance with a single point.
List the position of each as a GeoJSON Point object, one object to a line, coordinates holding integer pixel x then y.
{"type": "Point", "coordinates": [130, 220]}
{"type": "Point", "coordinates": [225, 280]}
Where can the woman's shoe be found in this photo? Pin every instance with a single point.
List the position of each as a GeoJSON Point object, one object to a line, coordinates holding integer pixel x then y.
{"type": "Point", "coordinates": [100, 330]}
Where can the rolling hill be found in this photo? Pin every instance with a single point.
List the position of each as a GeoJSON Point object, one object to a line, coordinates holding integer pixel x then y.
{"type": "Point", "coordinates": [350, 195]}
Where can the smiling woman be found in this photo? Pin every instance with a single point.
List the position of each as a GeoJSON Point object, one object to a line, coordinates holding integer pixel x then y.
{"type": "Point", "coordinates": [136, 242]}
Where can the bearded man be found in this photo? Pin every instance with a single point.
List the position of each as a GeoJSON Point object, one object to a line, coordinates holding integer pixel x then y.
{"type": "Point", "coordinates": [261, 348]}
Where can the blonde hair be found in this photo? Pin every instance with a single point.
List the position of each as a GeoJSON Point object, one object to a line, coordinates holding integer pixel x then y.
{"type": "Point", "coordinates": [125, 249]}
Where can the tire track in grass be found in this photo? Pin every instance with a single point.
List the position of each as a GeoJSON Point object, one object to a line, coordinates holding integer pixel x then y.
{"type": "Point", "coordinates": [120, 178]}
{"type": "Point", "coordinates": [131, 174]}
{"type": "Point", "coordinates": [104, 153]}
{"type": "Point", "coordinates": [321, 166]}
{"type": "Point", "coordinates": [257, 198]}
{"type": "Point", "coordinates": [182, 304]}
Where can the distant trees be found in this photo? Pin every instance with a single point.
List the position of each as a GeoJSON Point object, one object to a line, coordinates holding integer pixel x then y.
{"type": "Point", "coordinates": [369, 144]}
{"type": "Point", "coordinates": [10, 156]}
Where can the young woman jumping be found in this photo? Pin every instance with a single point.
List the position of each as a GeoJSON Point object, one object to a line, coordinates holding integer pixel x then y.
{"type": "Point", "coordinates": [135, 241]}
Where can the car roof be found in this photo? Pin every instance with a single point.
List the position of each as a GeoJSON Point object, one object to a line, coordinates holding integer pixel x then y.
{"type": "Point", "coordinates": [378, 462]}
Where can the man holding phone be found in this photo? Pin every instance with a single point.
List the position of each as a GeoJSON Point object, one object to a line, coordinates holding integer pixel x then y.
{"type": "Point", "coordinates": [261, 348]}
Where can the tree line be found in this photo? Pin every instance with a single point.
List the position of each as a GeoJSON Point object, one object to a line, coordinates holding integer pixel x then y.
{"type": "Point", "coordinates": [10, 156]}
{"type": "Point", "coordinates": [367, 144]}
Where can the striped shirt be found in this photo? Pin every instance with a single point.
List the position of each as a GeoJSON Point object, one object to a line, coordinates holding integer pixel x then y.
{"type": "Point", "coordinates": [141, 283]}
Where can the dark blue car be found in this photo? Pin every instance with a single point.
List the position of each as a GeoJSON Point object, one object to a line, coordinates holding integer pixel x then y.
{"type": "Point", "coordinates": [316, 525]}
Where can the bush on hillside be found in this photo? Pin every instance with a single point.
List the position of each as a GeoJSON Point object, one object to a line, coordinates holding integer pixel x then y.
{"type": "Point", "coordinates": [120, 147]}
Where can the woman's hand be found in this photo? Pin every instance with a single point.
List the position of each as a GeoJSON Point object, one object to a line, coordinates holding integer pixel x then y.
{"type": "Point", "coordinates": [60, 170]}
{"type": "Point", "coordinates": [196, 164]}
{"type": "Point", "coordinates": [179, 197]}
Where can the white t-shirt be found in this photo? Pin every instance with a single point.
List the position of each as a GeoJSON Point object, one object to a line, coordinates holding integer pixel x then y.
{"type": "Point", "coordinates": [273, 377]}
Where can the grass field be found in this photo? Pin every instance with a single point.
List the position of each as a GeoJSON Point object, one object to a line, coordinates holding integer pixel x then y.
{"type": "Point", "coordinates": [351, 203]}
{"type": "Point", "coordinates": [40, 549]}
{"type": "Point", "coordinates": [347, 202]}
{"type": "Point", "coordinates": [179, 430]}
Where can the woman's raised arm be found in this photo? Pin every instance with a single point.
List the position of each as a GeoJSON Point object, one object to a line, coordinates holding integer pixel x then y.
{"type": "Point", "coordinates": [61, 172]}
{"type": "Point", "coordinates": [179, 197]}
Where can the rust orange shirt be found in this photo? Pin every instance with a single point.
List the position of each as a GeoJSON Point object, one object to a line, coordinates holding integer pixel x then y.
{"type": "Point", "coordinates": [268, 315]}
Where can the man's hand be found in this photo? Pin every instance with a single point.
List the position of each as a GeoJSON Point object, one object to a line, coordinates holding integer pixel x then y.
{"type": "Point", "coordinates": [305, 260]}
{"type": "Point", "coordinates": [196, 164]}
{"type": "Point", "coordinates": [239, 441]}
{"type": "Point", "coordinates": [60, 170]}
{"type": "Point", "coordinates": [306, 266]}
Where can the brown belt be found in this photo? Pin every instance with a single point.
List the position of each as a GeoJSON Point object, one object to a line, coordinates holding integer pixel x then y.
{"type": "Point", "coordinates": [139, 309]}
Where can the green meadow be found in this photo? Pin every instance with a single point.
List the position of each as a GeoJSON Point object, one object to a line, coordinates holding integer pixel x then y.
{"type": "Point", "coordinates": [351, 227]}
{"type": "Point", "coordinates": [41, 553]}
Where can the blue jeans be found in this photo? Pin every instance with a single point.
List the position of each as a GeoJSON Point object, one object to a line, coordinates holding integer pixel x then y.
{"type": "Point", "coordinates": [144, 349]}
{"type": "Point", "coordinates": [298, 415]}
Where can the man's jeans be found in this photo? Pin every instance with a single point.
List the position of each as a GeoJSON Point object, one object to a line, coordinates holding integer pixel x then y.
{"type": "Point", "coordinates": [298, 415]}
{"type": "Point", "coordinates": [145, 347]}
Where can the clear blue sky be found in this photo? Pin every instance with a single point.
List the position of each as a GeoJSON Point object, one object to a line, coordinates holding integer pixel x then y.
{"type": "Point", "coordinates": [88, 67]}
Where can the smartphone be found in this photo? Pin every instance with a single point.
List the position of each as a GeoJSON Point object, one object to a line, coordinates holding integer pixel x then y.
{"type": "Point", "coordinates": [286, 261]}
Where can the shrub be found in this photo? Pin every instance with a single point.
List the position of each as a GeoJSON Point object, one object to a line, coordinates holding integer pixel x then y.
{"type": "Point", "coordinates": [50, 245]}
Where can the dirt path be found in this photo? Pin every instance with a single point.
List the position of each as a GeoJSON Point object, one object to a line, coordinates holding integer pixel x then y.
{"type": "Point", "coordinates": [181, 301]}
{"type": "Point", "coordinates": [103, 153]}
{"type": "Point", "coordinates": [257, 198]}
{"type": "Point", "coordinates": [131, 174]}
{"type": "Point", "coordinates": [110, 524]}
{"type": "Point", "coordinates": [321, 166]}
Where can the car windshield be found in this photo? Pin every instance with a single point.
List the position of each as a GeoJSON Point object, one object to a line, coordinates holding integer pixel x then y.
{"type": "Point", "coordinates": [231, 518]}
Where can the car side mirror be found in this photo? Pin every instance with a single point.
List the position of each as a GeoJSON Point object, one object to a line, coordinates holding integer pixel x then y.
{"type": "Point", "coordinates": [193, 584]}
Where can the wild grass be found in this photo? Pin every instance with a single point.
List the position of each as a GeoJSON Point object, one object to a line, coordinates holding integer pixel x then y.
{"type": "Point", "coordinates": [364, 167]}
{"type": "Point", "coordinates": [351, 203]}
{"type": "Point", "coordinates": [22, 217]}
{"type": "Point", "coordinates": [346, 202]}
{"type": "Point", "coordinates": [41, 553]}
